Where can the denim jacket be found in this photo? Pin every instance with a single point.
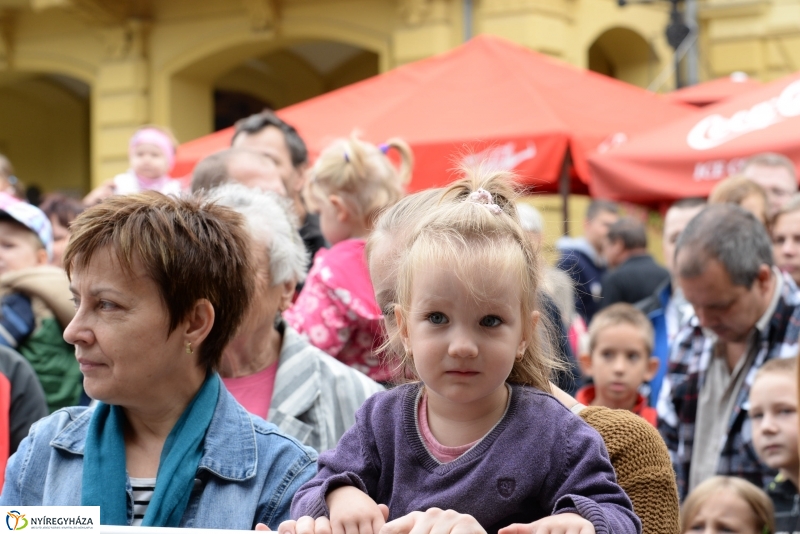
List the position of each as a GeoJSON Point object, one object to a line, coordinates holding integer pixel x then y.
{"type": "Point", "coordinates": [248, 474]}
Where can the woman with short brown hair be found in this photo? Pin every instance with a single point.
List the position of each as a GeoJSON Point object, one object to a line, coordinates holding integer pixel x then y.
{"type": "Point", "coordinates": [160, 285]}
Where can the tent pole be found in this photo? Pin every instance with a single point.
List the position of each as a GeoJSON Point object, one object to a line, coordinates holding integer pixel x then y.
{"type": "Point", "coordinates": [563, 190]}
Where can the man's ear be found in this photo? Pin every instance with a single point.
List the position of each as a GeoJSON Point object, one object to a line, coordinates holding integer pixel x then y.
{"type": "Point", "coordinates": [764, 275]}
{"type": "Point", "coordinates": [585, 361]}
{"type": "Point", "coordinates": [652, 368]}
{"type": "Point", "coordinates": [303, 173]}
{"type": "Point", "coordinates": [338, 203]}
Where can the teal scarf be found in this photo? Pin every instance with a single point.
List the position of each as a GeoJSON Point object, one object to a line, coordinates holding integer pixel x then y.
{"type": "Point", "coordinates": [105, 474]}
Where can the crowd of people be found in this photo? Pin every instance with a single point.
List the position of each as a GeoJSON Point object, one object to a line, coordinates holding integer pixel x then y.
{"type": "Point", "coordinates": [330, 355]}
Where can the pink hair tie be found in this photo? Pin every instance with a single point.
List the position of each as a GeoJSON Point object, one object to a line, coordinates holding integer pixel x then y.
{"type": "Point", "coordinates": [484, 198]}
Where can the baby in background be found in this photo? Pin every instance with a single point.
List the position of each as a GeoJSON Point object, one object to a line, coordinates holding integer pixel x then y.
{"type": "Point", "coordinates": [727, 505]}
{"type": "Point", "coordinates": [151, 154]}
{"type": "Point", "coordinates": [619, 361]}
{"type": "Point", "coordinates": [773, 416]}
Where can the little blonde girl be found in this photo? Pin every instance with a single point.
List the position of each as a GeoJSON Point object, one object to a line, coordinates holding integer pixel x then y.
{"type": "Point", "coordinates": [477, 435]}
{"type": "Point", "coordinates": [351, 183]}
{"type": "Point", "coordinates": [727, 504]}
{"type": "Point", "coordinates": [151, 154]}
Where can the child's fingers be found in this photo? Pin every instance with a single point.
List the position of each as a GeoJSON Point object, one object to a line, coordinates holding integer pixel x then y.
{"type": "Point", "coordinates": [401, 525]}
{"type": "Point", "coordinates": [385, 511]}
{"type": "Point", "coordinates": [304, 525]}
{"type": "Point", "coordinates": [322, 525]}
{"type": "Point", "coordinates": [287, 527]}
{"type": "Point", "coordinates": [261, 526]}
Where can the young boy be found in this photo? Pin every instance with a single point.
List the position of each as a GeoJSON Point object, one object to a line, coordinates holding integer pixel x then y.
{"type": "Point", "coordinates": [773, 416]}
{"type": "Point", "coordinates": [619, 360]}
{"type": "Point", "coordinates": [35, 301]}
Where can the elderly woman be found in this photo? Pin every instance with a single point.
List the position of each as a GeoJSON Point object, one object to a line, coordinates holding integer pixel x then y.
{"type": "Point", "coordinates": [268, 367]}
{"type": "Point", "coordinates": [160, 285]}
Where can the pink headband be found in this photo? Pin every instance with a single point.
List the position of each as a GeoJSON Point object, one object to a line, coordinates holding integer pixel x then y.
{"type": "Point", "coordinates": [151, 136]}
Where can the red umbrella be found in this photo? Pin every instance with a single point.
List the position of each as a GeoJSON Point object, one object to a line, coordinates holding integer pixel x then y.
{"type": "Point", "coordinates": [687, 157]}
{"type": "Point", "coordinates": [515, 108]}
{"type": "Point", "coordinates": [714, 91]}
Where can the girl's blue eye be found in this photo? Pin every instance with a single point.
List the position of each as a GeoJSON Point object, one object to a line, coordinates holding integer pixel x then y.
{"type": "Point", "coordinates": [437, 318]}
{"type": "Point", "coordinates": [491, 321]}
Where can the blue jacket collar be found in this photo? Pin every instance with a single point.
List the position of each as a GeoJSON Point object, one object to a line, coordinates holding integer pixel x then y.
{"type": "Point", "coordinates": [230, 446]}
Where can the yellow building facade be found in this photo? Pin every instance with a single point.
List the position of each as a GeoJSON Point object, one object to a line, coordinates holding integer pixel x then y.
{"type": "Point", "coordinates": [78, 76]}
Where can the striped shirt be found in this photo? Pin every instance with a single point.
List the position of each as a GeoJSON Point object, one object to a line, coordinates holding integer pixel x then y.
{"type": "Point", "coordinates": [143, 489]}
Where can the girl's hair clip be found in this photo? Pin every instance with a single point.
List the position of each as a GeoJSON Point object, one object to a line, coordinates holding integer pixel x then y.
{"type": "Point", "coordinates": [384, 148]}
{"type": "Point", "coordinates": [484, 198]}
{"type": "Point", "coordinates": [346, 157]}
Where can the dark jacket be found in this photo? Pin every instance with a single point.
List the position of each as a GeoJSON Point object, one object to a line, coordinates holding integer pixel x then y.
{"type": "Point", "coordinates": [787, 504]}
{"type": "Point", "coordinates": [22, 403]}
{"type": "Point", "coordinates": [581, 262]}
{"type": "Point", "coordinates": [635, 279]}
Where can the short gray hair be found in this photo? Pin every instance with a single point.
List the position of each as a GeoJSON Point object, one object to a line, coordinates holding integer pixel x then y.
{"type": "Point", "coordinates": [530, 218]}
{"type": "Point", "coordinates": [730, 235]}
{"type": "Point", "coordinates": [270, 221]}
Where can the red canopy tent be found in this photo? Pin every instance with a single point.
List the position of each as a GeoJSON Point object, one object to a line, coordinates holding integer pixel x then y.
{"type": "Point", "coordinates": [714, 91]}
{"type": "Point", "coordinates": [496, 100]}
{"type": "Point", "coordinates": [687, 157]}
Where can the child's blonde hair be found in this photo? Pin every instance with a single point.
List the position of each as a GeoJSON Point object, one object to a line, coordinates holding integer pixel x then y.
{"type": "Point", "coordinates": [475, 223]}
{"type": "Point", "coordinates": [362, 175]}
{"type": "Point", "coordinates": [756, 499]}
{"type": "Point", "coordinates": [782, 366]}
{"type": "Point", "coordinates": [617, 314]}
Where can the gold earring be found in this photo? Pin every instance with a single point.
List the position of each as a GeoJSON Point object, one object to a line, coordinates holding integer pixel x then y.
{"type": "Point", "coordinates": [189, 348]}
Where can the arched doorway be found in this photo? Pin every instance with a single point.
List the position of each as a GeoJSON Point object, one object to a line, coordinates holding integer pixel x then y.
{"type": "Point", "coordinates": [44, 129]}
{"type": "Point", "coordinates": [216, 91]}
{"type": "Point", "coordinates": [625, 55]}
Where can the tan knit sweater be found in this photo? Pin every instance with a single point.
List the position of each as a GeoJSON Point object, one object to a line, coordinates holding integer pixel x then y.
{"type": "Point", "coordinates": [643, 467]}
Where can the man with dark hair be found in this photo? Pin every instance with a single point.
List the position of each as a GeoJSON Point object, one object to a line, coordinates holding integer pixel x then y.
{"type": "Point", "coordinates": [240, 165]}
{"type": "Point", "coordinates": [634, 274]}
{"type": "Point", "coordinates": [265, 132]}
{"type": "Point", "coordinates": [745, 315]}
{"type": "Point", "coordinates": [776, 174]}
{"type": "Point", "coordinates": [582, 258]}
{"type": "Point", "coordinates": [667, 308]}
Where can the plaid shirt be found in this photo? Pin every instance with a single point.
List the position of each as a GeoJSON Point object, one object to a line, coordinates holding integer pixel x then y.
{"type": "Point", "coordinates": [689, 360]}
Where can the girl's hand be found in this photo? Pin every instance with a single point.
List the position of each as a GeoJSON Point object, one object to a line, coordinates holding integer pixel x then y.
{"type": "Point", "coordinates": [353, 512]}
{"type": "Point", "coordinates": [305, 525]}
{"type": "Point", "coordinates": [434, 520]}
{"type": "Point", "coordinates": [555, 524]}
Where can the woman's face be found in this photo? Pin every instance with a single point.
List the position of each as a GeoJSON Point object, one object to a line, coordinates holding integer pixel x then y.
{"type": "Point", "coordinates": [120, 337]}
{"type": "Point", "coordinates": [724, 513]}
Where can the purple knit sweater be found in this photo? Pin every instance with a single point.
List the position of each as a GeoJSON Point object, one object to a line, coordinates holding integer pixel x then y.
{"type": "Point", "coordinates": [539, 460]}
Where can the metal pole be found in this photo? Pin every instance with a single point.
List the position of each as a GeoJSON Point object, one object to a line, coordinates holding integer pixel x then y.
{"type": "Point", "coordinates": [692, 55]}
{"type": "Point", "coordinates": [563, 189]}
{"type": "Point", "coordinates": [467, 13]}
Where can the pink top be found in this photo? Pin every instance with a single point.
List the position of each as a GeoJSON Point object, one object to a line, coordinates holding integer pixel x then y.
{"type": "Point", "coordinates": [439, 451]}
{"type": "Point", "coordinates": [337, 312]}
{"type": "Point", "coordinates": [254, 392]}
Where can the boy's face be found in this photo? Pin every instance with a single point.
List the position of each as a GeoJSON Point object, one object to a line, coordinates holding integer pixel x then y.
{"type": "Point", "coordinates": [19, 248]}
{"type": "Point", "coordinates": [773, 414]}
{"type": "Point", "coordinates": [619, 364]}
